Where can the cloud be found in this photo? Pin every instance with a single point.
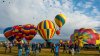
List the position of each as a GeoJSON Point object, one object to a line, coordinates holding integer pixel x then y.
{"type": "Point", "coordinates": [29, 11]}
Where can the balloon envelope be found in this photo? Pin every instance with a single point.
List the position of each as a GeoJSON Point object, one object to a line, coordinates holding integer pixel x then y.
{"type": "Point", "coordinates": [8, 34]}
{"type": "Point", "coordinates": [46, 29]}
{"type": "Point", "coordinates": [86, 35]}
{"type": "Point", "coordinates": [60, 20]}
{"type": "Point", "coordinates": [17, 32]}
{"type": "Point", "coordinates": [29, 32]}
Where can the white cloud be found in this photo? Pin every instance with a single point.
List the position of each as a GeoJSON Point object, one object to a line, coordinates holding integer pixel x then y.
{"type": "Point", "coordinates": [29, 11]}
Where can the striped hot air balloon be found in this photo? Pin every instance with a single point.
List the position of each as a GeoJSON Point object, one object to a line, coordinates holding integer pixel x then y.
{"type": "Point", "coordinates": [17, 32]}
{"type": "Point", "coordinates": [46, 29]}
{"type": "Point", "coordinates": [8, 34]}
{"type": "Point", "coordinates": [29, 32]}
{"type": "Point", "coordinates": [60, 20]}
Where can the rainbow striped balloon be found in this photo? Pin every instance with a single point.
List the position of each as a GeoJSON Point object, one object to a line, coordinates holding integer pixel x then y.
{"type": "Point", "coordinates": [60, 20]}
{"type": "Point", "coordinates": [46, 29]}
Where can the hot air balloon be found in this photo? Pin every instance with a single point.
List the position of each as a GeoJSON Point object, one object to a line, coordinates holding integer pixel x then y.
{"type": "Point", "coordinates": [29, 32]}
{"type": "Point", "coordinates": [87, 36]}
{"type": "Point", "coordinates": [60, 20]}
{"type": "Point", "coordinates": [46, 29]}
{"type": "Point", "coordinates": [58, 32]}
{"type": "Point", "coordinates": [8, 34]}
{"type": "Point", "coordinates": [17, 32]}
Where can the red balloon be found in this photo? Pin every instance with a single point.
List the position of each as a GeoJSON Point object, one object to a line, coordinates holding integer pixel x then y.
{"type": "Point", "coordinates": [17, 32]}
{"type": "Point", "coordinates": [58, 32]}
{"type": "Point", "coordinates": [29, 31]}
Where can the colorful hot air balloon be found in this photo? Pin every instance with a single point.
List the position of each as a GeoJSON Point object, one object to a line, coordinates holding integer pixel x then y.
{"type": "Point", "coordinates": [17, 32]}
{"type": "Point", "coordinates": [85, 35]}
{"type": "Point", "coordinates": [8, 34]}
{"type": "Point", "coordinates": [60, 20]}
{"type": "Point", "coordinates": [29, 32]}
{"type": "Point", "coordinates": [46, 29]}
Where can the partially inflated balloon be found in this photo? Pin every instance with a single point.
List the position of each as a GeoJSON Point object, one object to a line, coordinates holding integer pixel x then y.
{"type": "Point", "coordinates": [29, 32]}
{"type": "Point", "coordinates": [60, 20]}
{"type": "Point", "coordinates": [8, 34]}
{"type": "Point", "coordinates": [46, 29]}
{"type": "Point", "coordinates": [88, 36]}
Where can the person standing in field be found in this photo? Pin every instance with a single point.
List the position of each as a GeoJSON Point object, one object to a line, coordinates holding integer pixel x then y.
{"type": "Point", "coordinates": [40, 47]}
{"type": "Point", "coordinates": [52, 47]}
{"type": "Point", "coordinates": [19, 49]}
{"type": "Point", "coordinates": [56, 50]}
{"type": "Point", "coordinates": [10, 47]}
{"type": "Point", "coordinates": [27, 49]}
{"type": "Point", "coordinates": [6, 46]}
{"type": "Point", "coordinates": [33, 48]}
{"type": "Point", "coordinates": [37, 49]}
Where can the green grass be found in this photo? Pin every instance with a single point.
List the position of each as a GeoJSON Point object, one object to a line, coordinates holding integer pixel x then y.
{"type": "Point", "coordinates": [46, 52]}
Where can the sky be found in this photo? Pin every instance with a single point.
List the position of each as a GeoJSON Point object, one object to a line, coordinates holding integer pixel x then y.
{"type": "Point", "coordinates": [79, 13]}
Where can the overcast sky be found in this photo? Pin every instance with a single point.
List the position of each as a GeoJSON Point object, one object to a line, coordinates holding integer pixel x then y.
{"type": "Point", "coordinates": [79, 13]}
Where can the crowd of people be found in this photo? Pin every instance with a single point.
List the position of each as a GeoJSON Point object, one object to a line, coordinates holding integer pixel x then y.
{"type": "Point", "coordinates": [36, 48]}
{"type": "Point", "coordinates": [71, 49]}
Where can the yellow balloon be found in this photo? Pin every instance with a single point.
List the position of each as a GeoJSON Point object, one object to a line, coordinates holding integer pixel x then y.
{"type": "Point", "coordinates": [60, 20]}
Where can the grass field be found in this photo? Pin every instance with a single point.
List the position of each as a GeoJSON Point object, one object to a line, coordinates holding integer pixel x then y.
{"type": "Point", "coordinates": [46, 52]}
